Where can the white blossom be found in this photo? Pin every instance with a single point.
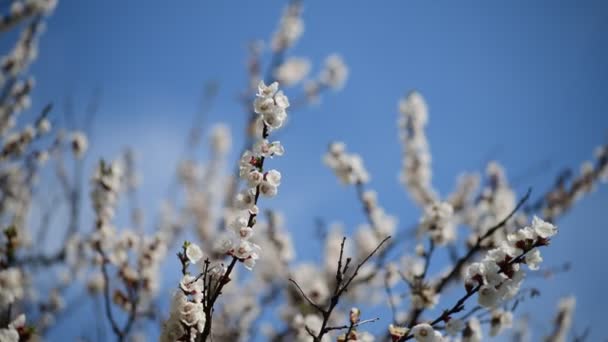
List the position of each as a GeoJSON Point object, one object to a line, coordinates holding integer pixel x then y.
{"type": "Point", "coordinates": [500, 320]}
{"type": "Point", "coordinates": [454, 326]}
{"type": "Point", "coordinates": [193, 253]}
{"type": "Point", "coordinates": [423, 332]}
{"type": "Point", "coordinates": [335, 73]}
{"type": "Point", "coordinates": [472, 331]}
{"type": "Point", "coordinates": [292, 71]}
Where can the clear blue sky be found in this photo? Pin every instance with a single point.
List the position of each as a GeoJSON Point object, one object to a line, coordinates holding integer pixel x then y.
{"type": "Point", "coordinates": [518, 81]}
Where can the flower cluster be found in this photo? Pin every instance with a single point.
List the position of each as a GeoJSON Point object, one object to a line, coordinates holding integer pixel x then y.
{"type": "Point", "coordinates": [104, 195]}
{"type": "Point", "coordinates": [498, 276]}
{"type": "Point", "coordinates": [496, 201]}
{"type": "Point", "coordinates": [140, 278]}
{"type": "Point", "coordinates": [416, 173]}
{"type": "Point", "coordinates": [271, 104]}
{"type": "Point", "coordinates": [437, 221]}
{"type": "Point", "coordinates": [568, 191]}
{"type": "Point", "coordinates": [21, 10]}
{"type": "Point", "coordinates": [348, 167]}
{"type": "Point", "coordinates": [292, 71]}
{"type": "Point", "coordinates": [187, 316]}
{"type": "Point", "coordinates": [335, 73]}
{"type": "Point", "coordinates": [290, 28]}
{"type": "Point", "coordinates": [333, 76]}
{"type": "Point", "coordinates": [563, 320]}
{"type": "Point", "coordinates": [17, 331]}
{"type": "Point", "coordinates": [380, 224]}
{"type": "Point", "coordinates": [11, 286]}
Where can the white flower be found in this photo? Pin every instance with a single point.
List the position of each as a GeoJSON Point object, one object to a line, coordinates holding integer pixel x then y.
{"type": "Point", "coordinates": [281, 100]}
{"type": "Point", "coordinates": [414, 106]}
{"type": "Point", "coordinates": [220, 138]}
{"type": "Point", "coordinates": [542, 228]}
{"type": "Point", "coordinates": [264, 105]}
{"type": "Point", "coordinates": [488, 296]}
{"type": "Point", "coordinates": [437, 222]}
{"type": "Point", "coordinates": [43, 126]}
{"type": "Point", "coordinates": [194, 253]}
{"type": "Point", "coordinates": [397, 332]}
{"type": "Point", "coordinates": [11, 286]}
{"type": "Point", "coordinates": [423, 332]}
{"type": "Point", "coordinates": [172, 331]}
{"type": "Point", "coordinates": [266, 149]}
{"type": "Point", "coordinates": [79, 144]}
{"type": "Point", "coordinates": [454, 326]}
{"type": "Point", "coordinates": [273, 177]}
{"type": "Point", "coordinates": [500, 320]}
{"type": "Point", "coordinates": [238, 223]}
{"type": "Point", "coordinates": [268, 190]}
{"type": "Point", "coordinates": [254, 177]}
{"type": "Point", "coordinates": [245, 199]}
{"type": "Point", "coordinates": [335, 73]}
{"type": "Point", "coordinates": [292, 71]}
{"type": "Point", "coordinates": [267, 91]}
{"type": "Point", "coordinates": [348, 167]}
{"type": "Point", "coordinates": [276, 118]}
{"type": "Point", "coordinates": [472, 332]}
{"type": "Point", "coordinates": [290, 28]}
{"type": "Point", "coordinates": [9, 335]}
{"type": "Point", "coordinates": [533, 259]}
{"type": "Point", "coordinates": [192, 314]}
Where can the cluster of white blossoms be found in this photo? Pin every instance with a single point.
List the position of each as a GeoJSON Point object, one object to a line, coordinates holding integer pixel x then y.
{"type": "Point", "coordinates": [564, 195]}
{"type": "Point", "coordinates": [348, 167]}
{"type": "Point", "coordinates": [563, 320]}
{"type": "Point", "coordinates": [104, 194]}
{"type": "Point", "coordinates": [12, 285]}
{"type": "Point", "coordinates": [290, 28]}
{"type": "Point", "coordinates": [292, 71]}
{"type": "Point", "coordinates": [17, 101]}
{"type": "Point", "coordinates": [496, 201]}
{"type": "Point", "coordinates": [380, 224]}
{"type": "Point", "coordinates": [334, 73]}
{"type": "Point", "coordinates": [187, 316]}
{"type": "Point", "coordinates": [16, 331]}
{"type": "Point", "coordinates": [21, 10]}
{"type": "Point", "coordinates": [437, 222]}
{"type": "Point", "coordinates": [117, 249]}
{"type": "Point", "coordinates": [333, 76]}
{"type": "Point", "coordinates": [416, 171]}
{"type": "Point", "coordinates": [203, 186]}
{"type": "Point", "coordinates": [498, 276]}
{"type": "Point", "coordinates": [16, 143]}
{"type": "Point", "coordinates": [278, 248]}
{"type": "Point", "coordinates": [271, 105]}
{"type": "Point", "coordinates": [24, 52]}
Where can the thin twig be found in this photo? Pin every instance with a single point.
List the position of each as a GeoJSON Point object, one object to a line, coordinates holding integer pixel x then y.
{"type": "Point", "coordinates": [313, 304]}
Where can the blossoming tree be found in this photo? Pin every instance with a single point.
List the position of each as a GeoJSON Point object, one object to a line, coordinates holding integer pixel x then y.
{"type": "Point", "coordinates": [236, 256]}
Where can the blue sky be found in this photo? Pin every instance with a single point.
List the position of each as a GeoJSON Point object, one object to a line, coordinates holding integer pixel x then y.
{"type": "Point", "coordinates": [521, 82]}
